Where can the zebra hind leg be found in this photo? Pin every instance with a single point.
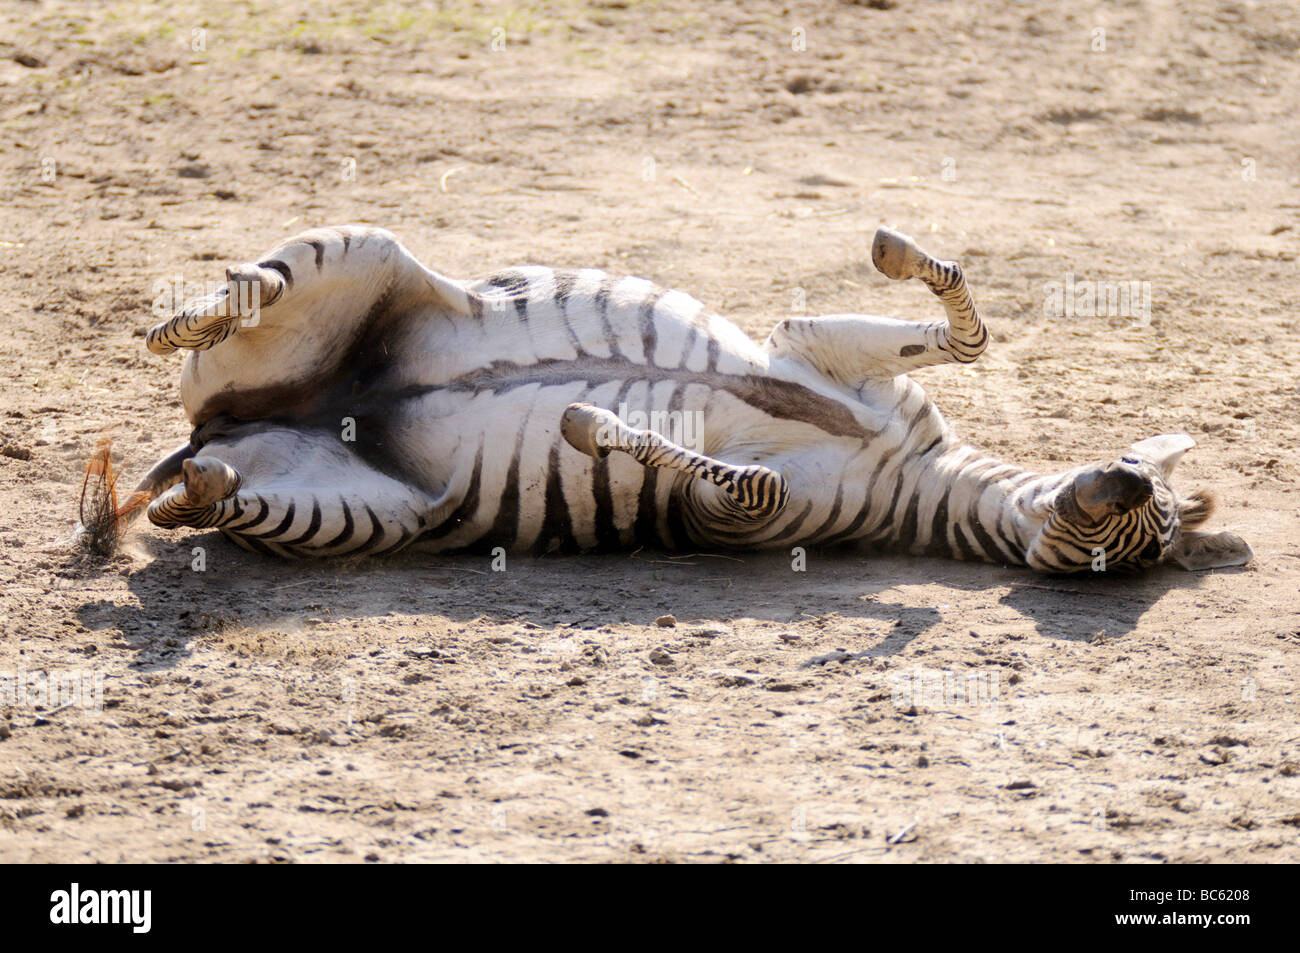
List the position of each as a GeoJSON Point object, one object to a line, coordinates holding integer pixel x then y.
{"type": "Point", "coordinates": [321, 276]}
{"type": "Point", "coordinates": [195, 501]}
{"type": "Point", "coordinates": [302, 267]}
{"type": "Point", "coordinates": [756, 492]}
{"type": "Point", "coordinates": [208, 320]}
{"type": "Point", "coordinates": [287, 492]}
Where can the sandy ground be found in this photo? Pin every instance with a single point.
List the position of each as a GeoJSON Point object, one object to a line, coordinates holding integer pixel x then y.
{"type": "Point", "coordinates": [432, 709]}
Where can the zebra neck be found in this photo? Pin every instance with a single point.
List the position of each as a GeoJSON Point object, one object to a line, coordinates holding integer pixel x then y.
{"type": "Point", "coordinates": [968, 505]}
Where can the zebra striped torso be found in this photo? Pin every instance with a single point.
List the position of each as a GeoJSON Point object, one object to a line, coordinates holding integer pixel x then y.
{"type": "Point", "coordinates": [556, 338]}
{"type": "Point", "coordinates": [368, 404]}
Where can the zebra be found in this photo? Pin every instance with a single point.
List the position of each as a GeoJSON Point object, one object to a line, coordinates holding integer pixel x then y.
{"type": "Point", "coordinates": [360, 403]}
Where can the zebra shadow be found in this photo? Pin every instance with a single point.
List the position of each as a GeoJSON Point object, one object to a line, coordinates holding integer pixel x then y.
{"type": "Point", "coordinates": [189, 588]}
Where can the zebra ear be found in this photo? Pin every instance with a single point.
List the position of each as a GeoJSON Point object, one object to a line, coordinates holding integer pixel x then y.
{"type": "Point", "coordinates": [1164, 450]}
{"type": "Point", "coordinates": [1210, 551]}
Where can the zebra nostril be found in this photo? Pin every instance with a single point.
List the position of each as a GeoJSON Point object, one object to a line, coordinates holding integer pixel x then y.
{"type": "Point", "coordinates": [1136, 490]}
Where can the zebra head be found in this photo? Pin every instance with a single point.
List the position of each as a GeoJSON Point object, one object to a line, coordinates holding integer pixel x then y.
{"type": "Point", "coordinates": [1124, 516]}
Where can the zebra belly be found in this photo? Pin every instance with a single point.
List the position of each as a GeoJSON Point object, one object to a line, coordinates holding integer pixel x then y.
{"type": "Point", "coordinates": [520, 486]}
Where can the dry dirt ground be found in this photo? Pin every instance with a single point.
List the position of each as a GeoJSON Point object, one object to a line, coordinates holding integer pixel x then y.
{"type": "Point", "coordinates": [432, 709]}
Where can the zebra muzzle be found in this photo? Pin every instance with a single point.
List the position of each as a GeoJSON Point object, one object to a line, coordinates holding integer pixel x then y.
{"type": "Point", "coordinates": [1108, 491]}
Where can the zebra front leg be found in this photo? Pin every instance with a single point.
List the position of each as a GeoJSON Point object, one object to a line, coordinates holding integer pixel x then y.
{"type": "Point", "coordinates": [964, 336]}
{"type": "Point", "coordinates": [755, 492]}
{"type": "Point", "coordinates": [855, 349]}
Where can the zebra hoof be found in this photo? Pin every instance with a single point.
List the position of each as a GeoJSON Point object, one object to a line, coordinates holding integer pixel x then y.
{"type": "Point", "coordinates": [270, 283]}
{"type": "Point", "coordinates": [583, 426]}
{"type": "Point", "coordinates": [208, 480]}
{"type": "Point", "coordinates": [204, 481]}
{"type": "Point", "coordinates": [895, 255]}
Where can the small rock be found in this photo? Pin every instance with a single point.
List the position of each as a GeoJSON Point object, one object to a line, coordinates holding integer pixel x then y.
{"type": "Point", "coordinates": [660, 657]}
{"type": "Point", "coordinates": [800, 84]}
{"type": "Point", "coordinates": [1228, 741]}
{"type": "Point", "coordinates": [709, 632]}
{"type": "Point", "coordinates": [821, 179]}
{"type": "Point", "coordinates": [838, 655]}
{"type": "Point", "coordinates": [597, 812]}
{"type": "Point", "coordinates": [1020, 785]}
{"type": "Point", "coordinates": [666, 621]}
{"type": "Point", "coordinates": [576, 681]}
{"type": "Point", "coordinates": [1215, 756]}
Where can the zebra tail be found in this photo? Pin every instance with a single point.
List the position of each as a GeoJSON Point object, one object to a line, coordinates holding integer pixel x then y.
{"type": "Point", "coordinates": [103, 521]}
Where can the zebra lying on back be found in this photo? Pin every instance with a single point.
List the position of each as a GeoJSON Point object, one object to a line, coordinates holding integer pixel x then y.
{"type": "Point", "coordinates": [361, 403]}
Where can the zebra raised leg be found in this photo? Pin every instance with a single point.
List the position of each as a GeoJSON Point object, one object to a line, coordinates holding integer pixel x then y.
{"type": "Point", "coordinates": [206, 321]}
{"type": "Point", "coordinates": [854, 348]}
{"type": "Point", "coordinates": [295, 493]}
{"type": "Point", "coordinates": [319, 288]}
{"type": "Point", "coordinates": [754, 493]}
{"type": "Point", "coordinates": [897, 256]}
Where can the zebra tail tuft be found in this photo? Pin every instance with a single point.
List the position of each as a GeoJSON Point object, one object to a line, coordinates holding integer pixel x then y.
{"type": "Point", "coordinates": [101, 527]}
{"type": "Point", "coordinates": [103, 522]}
